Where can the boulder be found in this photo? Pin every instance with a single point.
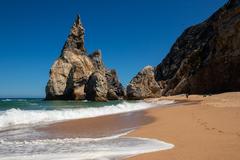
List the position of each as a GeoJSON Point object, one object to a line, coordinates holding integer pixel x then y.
{"type": "Point", "coordinates": [143, 85]}
{"type": "Point", "coordinates": [96, 88]}
{"type": "Point", "coordinates": [115, 88]}
{"type": "Point", "coordinates": [68, 74]}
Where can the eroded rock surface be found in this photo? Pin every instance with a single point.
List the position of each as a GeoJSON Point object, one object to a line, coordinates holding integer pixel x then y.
{"type": "Point", "coordinates": [115, 88]}
{"type": "Point", "coordinates": [204, 59]}
{"type": "Point", "coordinates": [70, 73]}
{"type": "Point", "coordinates": [143, 85]}
{"type": "Point", "coordinates": [96, 88]}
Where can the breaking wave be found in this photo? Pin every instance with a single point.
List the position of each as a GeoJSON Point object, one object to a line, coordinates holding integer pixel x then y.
{"type": "Point", "coordinates": [80, 148]}
{"type": "Point", "coordinates": [17, 117]}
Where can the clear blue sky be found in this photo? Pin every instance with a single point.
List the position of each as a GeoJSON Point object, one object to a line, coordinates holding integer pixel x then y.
{"type": "Point", "coordinates": [130, 33]}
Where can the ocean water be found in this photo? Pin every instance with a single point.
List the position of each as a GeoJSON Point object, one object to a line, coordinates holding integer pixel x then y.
{"type": "Point", "coordinates": [19, 140]}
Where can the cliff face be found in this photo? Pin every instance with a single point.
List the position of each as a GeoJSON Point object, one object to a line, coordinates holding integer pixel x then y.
{"type": "Point", "coordinates": [205, 58]}
{"type": "Point", "coordinates": [75, 69]}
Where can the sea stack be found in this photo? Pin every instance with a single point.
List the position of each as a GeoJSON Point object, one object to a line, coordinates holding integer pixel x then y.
{"type": "Point", "coordinates": [75, 75]}
{"type": "Point", "coordinates": [205, 59]}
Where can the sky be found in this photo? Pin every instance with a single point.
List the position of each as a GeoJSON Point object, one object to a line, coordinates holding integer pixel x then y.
{"type": "Point", "coordinates": [130, 33]}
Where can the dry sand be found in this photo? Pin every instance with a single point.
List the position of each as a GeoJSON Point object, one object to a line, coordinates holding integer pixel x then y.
{"type": "Point", "coordinates": [201, 128]}
{"type": "Point", "coordinates": [206, 130]}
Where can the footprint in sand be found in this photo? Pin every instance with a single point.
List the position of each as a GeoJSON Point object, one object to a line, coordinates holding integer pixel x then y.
{"type": "Point", "coordinates": [219, 131]}
{"type": "Point", "coordinates": [205, 125]}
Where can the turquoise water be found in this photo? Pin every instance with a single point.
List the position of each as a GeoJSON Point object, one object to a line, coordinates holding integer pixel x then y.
{"type": "Point", "coordinates": [21, 140]}
{"type": "Point", "coordinates": [19, 112]}
{"type": "Point", "coordinates": [41, 104]}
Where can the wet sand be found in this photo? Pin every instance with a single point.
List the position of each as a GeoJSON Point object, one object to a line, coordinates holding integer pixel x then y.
{"type": "Point", "coordinates": [201, 128]}
{"type": "Point", "coordinates": [98, 126]}
{"type": "Point", "coordinates": [206, 130]}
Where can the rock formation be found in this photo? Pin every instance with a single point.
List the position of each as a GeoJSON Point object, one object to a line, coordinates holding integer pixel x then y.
{"type": "Point", "coordinates": [77, 75]}
{"type": "Point", "coordinates": [96, 88]}
{"type": "Point", "coordinates": [143, 85]}
{"type": "Point", "coordinates": [204, 59]}
{"type": "Point", "coordinates": [115, 88]}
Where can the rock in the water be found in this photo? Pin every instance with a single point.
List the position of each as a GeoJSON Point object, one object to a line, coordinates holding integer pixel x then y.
{"type": "Point", "coordinates": [70, 73]}
{"type": "Point", "coordinates": [143, 85]}
{"type": "Point", "coordinates": [68, 77]}
{"type": "Point", "coordinates": [96, 88]}
{"type": "Point", "coordinates": [115, 88]}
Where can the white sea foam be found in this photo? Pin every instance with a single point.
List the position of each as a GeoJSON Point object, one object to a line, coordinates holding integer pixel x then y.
{"type": "Point", "coordinates": [15, 146]}
{"type": "Point", "coordinates": [80, 148]}
{"type": "Point", "coordinates": [17, 117]}
{"type": "Point", "coordinates": [21, 100]}
{"type": "Point", "coordinates": [6, 100]}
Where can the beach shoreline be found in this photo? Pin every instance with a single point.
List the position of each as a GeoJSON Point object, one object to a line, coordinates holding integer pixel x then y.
{"type": "Point", "coordinates": [97, 127]}
{"type": "Point", "coordinates": [104, 125]}
{"type": "Point", "coordinates": [200, 127]}
{"type": "Point", "coordinates": [206, 128]}
{"type": "Point", "coordinates": [78, 133]}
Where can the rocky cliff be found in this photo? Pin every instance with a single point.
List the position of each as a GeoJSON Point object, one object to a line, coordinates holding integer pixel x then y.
{"type": "Point", "coordinates": [75, 75]}
{"type": "Point", "coordinates": [204, 59]}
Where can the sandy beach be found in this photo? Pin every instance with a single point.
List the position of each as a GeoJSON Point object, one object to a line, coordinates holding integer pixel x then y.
{"type": "Point", "coordinates": [207, 129]}
{"type": "Point", "coordinates": [200, 127]}
{"type": "Point", "coordinates": [98, 126]}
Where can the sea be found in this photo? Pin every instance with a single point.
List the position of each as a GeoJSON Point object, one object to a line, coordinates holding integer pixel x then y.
{"type": "Point", "coordinates": [20, 140]}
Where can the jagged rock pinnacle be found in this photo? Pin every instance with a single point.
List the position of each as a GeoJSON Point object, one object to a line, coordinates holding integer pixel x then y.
{"type": "Point", "coordinates": [78, 20]}
{"type": "Point", "coordinates": [75, 41]}
{"type": "Point", "coordinates": [75, 75]}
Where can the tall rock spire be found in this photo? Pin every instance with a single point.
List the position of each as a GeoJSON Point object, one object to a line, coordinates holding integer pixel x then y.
{"type": "Point", "coordinates": [75, 40]}
{"type": "Point", "coordinates": [77, 75]}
